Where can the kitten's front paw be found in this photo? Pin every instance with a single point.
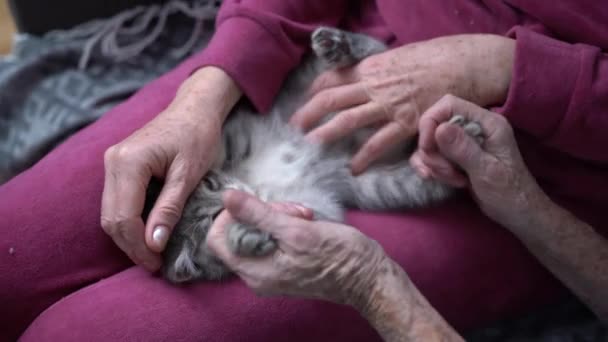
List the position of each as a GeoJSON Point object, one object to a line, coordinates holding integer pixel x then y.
{"type": "Point", "coordinates": [247, 241]}
{"type": "Point", "coordinates": [472, 128]}
{"type": "Point", "coordinates": [332, 46]}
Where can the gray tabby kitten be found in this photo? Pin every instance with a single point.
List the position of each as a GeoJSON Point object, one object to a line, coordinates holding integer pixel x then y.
{"type": "Point", "coordinates": [263, 155]}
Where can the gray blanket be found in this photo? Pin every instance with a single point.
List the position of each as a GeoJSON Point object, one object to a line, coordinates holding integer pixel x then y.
{"type": "Point", "coordinates": [52, 86]}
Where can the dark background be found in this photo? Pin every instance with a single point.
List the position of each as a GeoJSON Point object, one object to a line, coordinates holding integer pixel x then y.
{"type": "Point", "coordinates": [40, 16]}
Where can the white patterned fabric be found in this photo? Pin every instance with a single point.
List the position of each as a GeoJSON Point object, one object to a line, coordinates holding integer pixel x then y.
{"type": "Point", "coordinates": [51, 86]}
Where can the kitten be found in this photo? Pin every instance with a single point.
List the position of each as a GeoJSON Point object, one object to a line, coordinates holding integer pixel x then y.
{"type": "Point", "coordinates": [263, 155]}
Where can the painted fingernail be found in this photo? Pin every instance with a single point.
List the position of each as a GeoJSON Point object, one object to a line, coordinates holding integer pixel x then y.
{"type": "Point", "coordinates": [160, 236]}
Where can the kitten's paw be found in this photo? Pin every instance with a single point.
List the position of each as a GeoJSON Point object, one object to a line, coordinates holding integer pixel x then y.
{"type": "Point", "coordinates": [472, 128]}
{"type": "Point", "coordinates": [332, 45]}
{"type": "Point", "coordinates": [247, 241]}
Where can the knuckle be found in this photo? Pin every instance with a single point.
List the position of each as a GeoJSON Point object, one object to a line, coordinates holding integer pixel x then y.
{"type": "Point", "coordinates": [257, 284]}
{"type": "Point", "coordinates": [326, 100]}
{"type": "Point", "coordinates": [322, 80]}
{"type": "Point", "coordinates": [502, 122]}
{"type": "Point", "coordinates": [181, 179]}
{"type": "Point", "coordinates": [495, 175]}
{"type": "Point", "coordinates": [117, 154]}
{"type": "Point", "coordinates": [347, 121]}
{"type": "Point", "coordinates": [369, 64]}
{"type": "Point", "coordinates": [425, 122]}
{"type": "Point", "coordinates": [118, 228]}
{"type": "Point", "coordinates": [171, 212]}
{"type": "Point", "coordinates": [108, 225]}
{"type": "Point", "coordinates": [452, 102]}
{"type": "Point", "coordinates": [448, 99]}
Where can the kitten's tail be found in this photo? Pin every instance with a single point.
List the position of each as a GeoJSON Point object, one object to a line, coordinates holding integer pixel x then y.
{"type": "Point", "coordinates": [395, 186]}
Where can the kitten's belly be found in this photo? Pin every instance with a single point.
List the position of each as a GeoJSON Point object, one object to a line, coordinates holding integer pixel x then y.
{"type": "Point", "coordinates": [279, 166]}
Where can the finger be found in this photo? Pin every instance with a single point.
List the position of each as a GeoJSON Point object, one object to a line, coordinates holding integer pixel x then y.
{"type": "Point", "coordinates": [122, 204]}
{"type": "Point", "coordinates": [293, 209]}
{"type": "Point", "coordinates": [442, 169]}
{"type": "Point", "coordinates": [216, 240]}
{"type": "Point", "coordinates": [332, 79]}
{"type": "Point", "coordinates": [326, 102]}
{"type": "Point", "coordinates": [429, 121]}
{"type": "Point", "coordinates": [348, 121]}
{"type": "Point", "coordinates": [168, 207]}
{"type": "Point", "coordinates": [460, 148]}
{"type": "Point", "coordinates": [421, 169]}
{"type": "Point", "coordinates": [443, 110]}
{"type": "Point", "coordinates": [387, 137]}
{"type": "Point", "coordinates": [250, 210]}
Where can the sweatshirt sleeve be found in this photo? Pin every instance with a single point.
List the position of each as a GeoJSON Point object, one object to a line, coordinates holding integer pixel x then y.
{"type": "Point", "coordinates": [257, 42]}
{"type": "Point", "coordinates": [559, 94]}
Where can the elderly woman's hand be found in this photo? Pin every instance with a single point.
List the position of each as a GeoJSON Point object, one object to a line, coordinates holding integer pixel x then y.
{"type": "Point", "coordinates": [178, 146]}
{"type": "Point", "coordinates": [499, 180]}
{"type": "Point", "coordinates": [315, 259]}
{"type": "Point", "coordinates": [391, 90]}
{"type": "Point", "coordinates": [331, 262]}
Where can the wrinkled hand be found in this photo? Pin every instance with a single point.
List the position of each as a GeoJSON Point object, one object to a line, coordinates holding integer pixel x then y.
{"type": "Point", "coordinates": [179, 146]}
{"type": "Point", "coordinates": [500, 181]}
{"type": "Point", "coordinates": [391, 90]}
{"type": "Point", "coordinates": [315, 259]}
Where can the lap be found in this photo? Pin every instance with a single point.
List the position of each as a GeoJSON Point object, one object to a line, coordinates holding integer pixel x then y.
{"type": "Point", "coordinates": [49, 232]}
{"type": "Point", "coordinates": [136, 306]}
{"type": "Point", "coordinates": [469, 269]}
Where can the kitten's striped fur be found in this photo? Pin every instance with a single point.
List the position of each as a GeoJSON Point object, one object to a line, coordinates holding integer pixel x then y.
{"type": "Point", "coordinates": [263, 155]}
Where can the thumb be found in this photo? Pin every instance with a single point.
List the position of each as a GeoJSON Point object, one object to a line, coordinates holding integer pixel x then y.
{"type": "Point", "coordinates": [237, 201]}
{"type": "Point", "coordinates": [459, 147]}
{"type": "Point", "coordinates": [167, 210]}
{"type": "Point", "coordinates": [248, 209]}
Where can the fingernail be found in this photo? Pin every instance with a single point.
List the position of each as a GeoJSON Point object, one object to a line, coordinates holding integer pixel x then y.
{"type": "Point", "coordinates": [305, 212]}
{"type": "Point", "coordinates": [160, 236]}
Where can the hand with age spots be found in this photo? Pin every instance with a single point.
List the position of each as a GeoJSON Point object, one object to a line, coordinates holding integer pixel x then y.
{"type": "Point", "coordinates": [498, 178]}
{"type": "Point", "coordinates": [327, 261]}
{"type": "Point", "coordinates": [168, 148]}
{"type": "Point", "coordinates": [506, 191]}
{"type": "Point", "coordinates": [315, 259]}
{"type": "Point", "coordinates": [392, 89]}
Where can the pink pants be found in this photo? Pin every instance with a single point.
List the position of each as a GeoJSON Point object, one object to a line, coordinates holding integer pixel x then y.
{"type": "Point", "coordinates": [63, 279]}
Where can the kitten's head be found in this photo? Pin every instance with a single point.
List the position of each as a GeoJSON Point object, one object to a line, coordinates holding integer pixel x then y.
{"type": "Point", "coordinates": [186, 256]}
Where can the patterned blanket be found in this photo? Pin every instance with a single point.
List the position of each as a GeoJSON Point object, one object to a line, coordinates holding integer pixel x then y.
{"type": "Point", "coordinates": [51, 86]}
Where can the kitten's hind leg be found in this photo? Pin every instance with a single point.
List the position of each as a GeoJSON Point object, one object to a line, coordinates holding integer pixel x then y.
{"type": "Point", "coordinates": [248, 241]}
{"type": "Point", "coordinates": [399, 185]}
{"type": "Point", "coordinates": [340, 48]}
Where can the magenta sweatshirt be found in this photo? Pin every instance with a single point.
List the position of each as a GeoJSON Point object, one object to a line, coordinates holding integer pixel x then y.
{"type": "Point", "coordinates": [558, 99]}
